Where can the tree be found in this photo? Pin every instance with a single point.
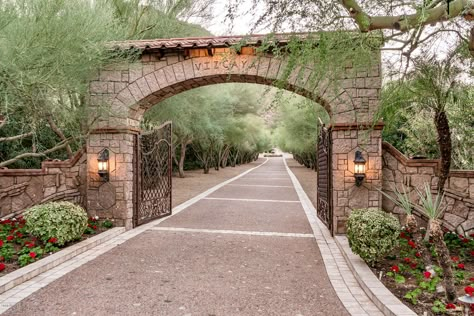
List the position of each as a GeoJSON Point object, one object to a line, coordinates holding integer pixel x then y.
{"type": "Point", "coordinates": [219, 123]}
{"type": "Point", "coordinates": [47, 60]}
{"type": "Point", "coordinates": [407, 26]}
{"type": "Point", "coordinates": [297, 128]}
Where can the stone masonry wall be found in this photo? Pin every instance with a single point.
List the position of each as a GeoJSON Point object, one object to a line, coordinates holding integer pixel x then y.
{"type": "Point", "coordinates": [114, 198]}
{"type": "Point", "coordinates": [346, 139]}
{"type": "Point", "coordinates": [413, 173]}
{"type": "Point", "coordinates": [123, 93]}
{"type": "Point", "coordinates": [56, 180]}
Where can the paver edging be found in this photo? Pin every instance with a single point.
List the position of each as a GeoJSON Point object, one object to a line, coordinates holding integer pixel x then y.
{"type": "Point", "coordinates": [388, 303]}
{"type": "Point", "coordinates": [24, 274]}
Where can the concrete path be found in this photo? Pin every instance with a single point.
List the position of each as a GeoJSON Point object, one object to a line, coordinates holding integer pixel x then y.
{"type": "Point", "coordinates": [246, 249]}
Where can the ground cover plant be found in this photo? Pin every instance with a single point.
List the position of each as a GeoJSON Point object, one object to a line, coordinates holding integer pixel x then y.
{"type": "Point", "coordinates": [427, 267]}
{"type": "Point", "coordinates": [404, 273]}
{"type": "Point", "coordinates": [22, 243]}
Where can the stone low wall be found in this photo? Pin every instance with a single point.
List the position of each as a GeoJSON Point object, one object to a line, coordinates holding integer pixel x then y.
{"type": "Point", "coordinates": [413, 173]}
{"type": "Point", "coordinates": [56, 180]}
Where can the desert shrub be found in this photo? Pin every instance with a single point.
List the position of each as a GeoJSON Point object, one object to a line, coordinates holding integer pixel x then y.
{"type": "Point", "coordinates": [62, 220]}
{"type": "Point", "coordinates": [372, 233]}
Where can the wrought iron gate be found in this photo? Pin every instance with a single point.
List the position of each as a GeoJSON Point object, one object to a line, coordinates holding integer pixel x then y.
{"type": "Point", "coordinates": [324, 190]}
{"type": "Point", "coordinates": [153, 181]}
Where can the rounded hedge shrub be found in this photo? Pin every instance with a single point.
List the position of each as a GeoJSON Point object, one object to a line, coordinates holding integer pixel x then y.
{"type": "Point", "coordinates": [372, 233]}
{"type": "Point", "coordinates": [62, 220]}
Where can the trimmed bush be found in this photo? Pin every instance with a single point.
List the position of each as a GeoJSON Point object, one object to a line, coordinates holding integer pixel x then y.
{"type": "Point", "coordinates": [62, 220]}
{"type": "Point", "coordinates": [372, 233]}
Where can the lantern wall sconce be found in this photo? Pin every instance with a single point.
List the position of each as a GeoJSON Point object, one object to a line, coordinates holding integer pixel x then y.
{"type": "Point", "coordinates": [103, 163]}
{"type": "Point", "coordinates": [359, 168]}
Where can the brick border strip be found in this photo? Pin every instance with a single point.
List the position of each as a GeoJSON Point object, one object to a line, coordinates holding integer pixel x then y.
{"type": "Point", "coordinates": [388, 303]}
{"type": "Point", "coordinates": [24, 274]}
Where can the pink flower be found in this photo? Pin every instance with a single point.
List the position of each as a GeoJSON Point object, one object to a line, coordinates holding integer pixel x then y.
{"type": "Point", "coordinates": [395, 269]}
{"type": "Point", "coordinates": [407, 260]}
{"type": "Point", "coordinates": [53, 240]}
{"type": "Point", "coordinates": [10, 238]}
{"type": "Point", "coordinates": [33, 255]}
{"type": "Point", "coordinates": [461, 266]}
{"type": "Point", "coordinates": [2, 266]}
{"type": "Point", "coordinates": [455, 259]}
{"type": "Point", "coordinates": [427, 274]}
{"type": "Point", "coordinates": [411, 243]}
{"type": "Point", "coordinates": [414, 265]}
{"type": "Point", "coordinates": [418, 255]}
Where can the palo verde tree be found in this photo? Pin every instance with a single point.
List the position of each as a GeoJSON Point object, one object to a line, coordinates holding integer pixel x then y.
{"type": "Point", "coordinates": [47, 59]}
{"type": "Point", "coordinates": [297, 127]}
{"type": "Point", "coordinates": [407, 27]}
{"type": "Point", "coordinates": [220, 124]}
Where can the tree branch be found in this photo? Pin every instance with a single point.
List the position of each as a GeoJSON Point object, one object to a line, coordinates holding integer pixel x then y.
{"type": "Point", "coordinates": [16, 137]}
{"type": "Point", "coordinates": [59, 146]}
{"type": "Point", "coordinates": [403, 23]}
{"type": "Point", "coordinates": [60, 134]}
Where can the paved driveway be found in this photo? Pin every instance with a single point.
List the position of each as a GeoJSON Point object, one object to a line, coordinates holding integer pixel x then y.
{"type": "Point", "coordinates": [246, 249]}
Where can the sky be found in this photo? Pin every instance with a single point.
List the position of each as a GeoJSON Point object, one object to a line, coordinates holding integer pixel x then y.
{"type": "Point", "coordinates": [242, 24]}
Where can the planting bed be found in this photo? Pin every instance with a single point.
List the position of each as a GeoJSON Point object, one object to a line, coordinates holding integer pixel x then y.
{"type": "Point", "coordinates": [403, 273]}
{"type": "Point", "coordinates": [18, 248]}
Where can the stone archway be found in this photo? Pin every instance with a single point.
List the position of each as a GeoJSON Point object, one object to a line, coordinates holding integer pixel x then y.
{"type": "Point", "coordinates": [168, 67]}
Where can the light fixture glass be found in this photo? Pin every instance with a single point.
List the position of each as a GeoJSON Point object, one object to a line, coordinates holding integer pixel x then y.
{"type": "Point", "coordinates": [103, 164]}
{"type": "Point", "coordinates": [359, 168]}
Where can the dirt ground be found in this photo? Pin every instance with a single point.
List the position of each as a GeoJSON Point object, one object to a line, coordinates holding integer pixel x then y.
{"type": "Point", "coordinates": [306, 177]}
{"type": "Point", "coordinates": [196, 182]}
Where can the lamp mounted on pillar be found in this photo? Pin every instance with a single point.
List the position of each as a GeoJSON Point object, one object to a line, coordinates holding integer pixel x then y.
{"type": "Point", "coordinates": [359, 168]}
{"type": "Point", "coordinates": [103, 162]}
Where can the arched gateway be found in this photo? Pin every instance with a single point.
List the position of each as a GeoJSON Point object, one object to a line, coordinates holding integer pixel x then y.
{"type": "Point", "coordinates": [168, 67]}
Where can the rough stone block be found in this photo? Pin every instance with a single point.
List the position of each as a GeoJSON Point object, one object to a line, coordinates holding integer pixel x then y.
{"type": "Point", "coordinates": [459, 184]}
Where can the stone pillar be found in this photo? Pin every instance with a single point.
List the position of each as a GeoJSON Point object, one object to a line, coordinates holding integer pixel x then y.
{"type": "Point", "coordinates": [113, 199]}
{"type": "Point", "coordinates": [346, 140]}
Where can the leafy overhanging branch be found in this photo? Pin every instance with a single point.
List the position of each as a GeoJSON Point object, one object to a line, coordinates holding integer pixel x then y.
{"type": "Point", "coordinates": [425, 16]}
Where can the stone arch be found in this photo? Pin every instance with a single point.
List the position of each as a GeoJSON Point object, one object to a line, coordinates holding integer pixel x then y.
{"type": "Point", "coordinates": [168, 67]}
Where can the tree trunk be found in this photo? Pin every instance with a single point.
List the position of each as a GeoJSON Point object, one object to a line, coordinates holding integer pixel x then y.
{"type": "Point", "coordinates": [444, 259]}
{"type": "Point", "coordinates": [445, 147]}
{"type": "Point", "coordinates": [223, 161]}
{"type": "Point", "coordinates": [181, 159]}
{"type": "Point", "coordinates": [218, 159]}
{"type": "Point", "coordinates": [412, 227]}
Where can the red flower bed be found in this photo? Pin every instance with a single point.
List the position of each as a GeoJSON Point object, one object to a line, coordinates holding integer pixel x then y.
{"type": "Point", "coordinates": [403, 273]}
{"type": "Point", "coordinates": [18, 248]}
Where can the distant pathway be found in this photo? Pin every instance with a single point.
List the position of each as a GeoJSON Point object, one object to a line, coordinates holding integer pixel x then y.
{"type": "Point", "coordinates": [245, 249]}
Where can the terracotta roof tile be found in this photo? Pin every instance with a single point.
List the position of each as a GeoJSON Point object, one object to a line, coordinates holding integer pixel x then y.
{"type": "Point", "coordinates": [201, 42]}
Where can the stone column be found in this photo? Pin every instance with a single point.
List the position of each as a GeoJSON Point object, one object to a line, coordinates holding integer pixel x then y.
{"type": "Point", "coordinates": [346, 140]}
{"type": "Point", "coordinates": [113, 199]}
